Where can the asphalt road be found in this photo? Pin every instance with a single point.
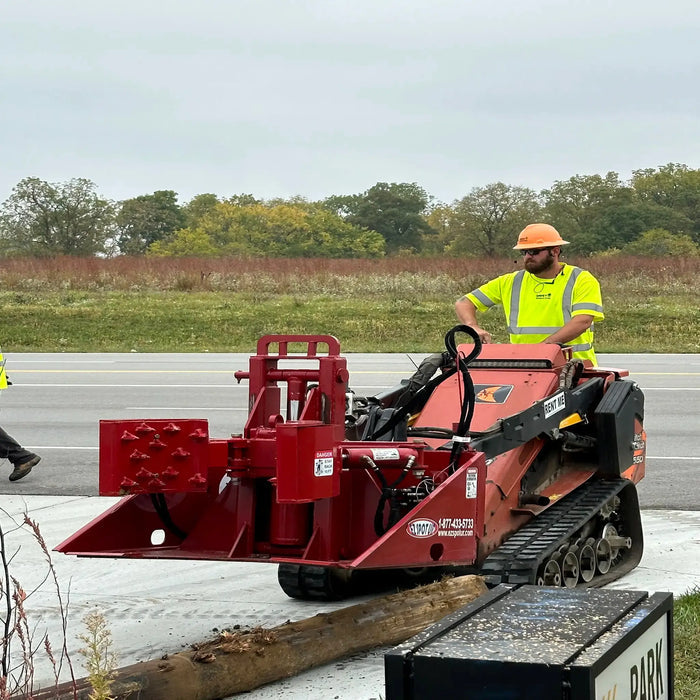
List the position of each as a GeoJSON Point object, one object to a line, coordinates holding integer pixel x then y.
{"type": "Point", "coordinates": [57, 399]}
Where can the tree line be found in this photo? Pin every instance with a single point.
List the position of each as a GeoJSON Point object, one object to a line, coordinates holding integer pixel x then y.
{"type": "Point", "coordinates": [656, 212]}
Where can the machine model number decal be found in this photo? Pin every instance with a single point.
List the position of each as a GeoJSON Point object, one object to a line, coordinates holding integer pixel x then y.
{"type": "Point", "coordinates": [382, 453]}
{"type": "Point", "coordinates": [555, 404]}
{"type": "Point", "coordinates": [323, 463]}
{"type": "Point", "coordinates": [421, 527]}
{"type": "Point", "coordinates": [639, 445]}
{"type": "Point", "coordinates": [456, 527]}
{"type": "Point", "coordinates": [471, 488]}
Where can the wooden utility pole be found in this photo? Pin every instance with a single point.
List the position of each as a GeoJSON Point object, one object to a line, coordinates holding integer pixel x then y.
{"type": "Point", "coordinates": [241, 661]}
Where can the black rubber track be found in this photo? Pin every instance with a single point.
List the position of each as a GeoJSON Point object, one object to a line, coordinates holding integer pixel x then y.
{"type": "Point", "coordinates": [518, 559]}
{"type": "Point", "coordinates": [306, 582]}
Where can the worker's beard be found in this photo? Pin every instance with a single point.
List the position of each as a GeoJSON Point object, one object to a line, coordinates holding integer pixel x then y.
{"type": "Point", "coordinates": [537, 265]}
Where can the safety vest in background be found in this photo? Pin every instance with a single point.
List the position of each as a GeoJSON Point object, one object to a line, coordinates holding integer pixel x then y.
{"type": "Point", "coordinates": [535, 308]}
{"type": "Point", "coordinates": [3, 373]}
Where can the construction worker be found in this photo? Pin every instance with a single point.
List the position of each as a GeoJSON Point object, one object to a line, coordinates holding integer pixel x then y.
{"type": "Point", "coordinates": [23, 461]}
{"type": "Point", "coordinates": [546, 302]}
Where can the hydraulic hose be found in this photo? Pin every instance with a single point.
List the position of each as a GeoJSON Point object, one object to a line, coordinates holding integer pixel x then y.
{"type": "Point", "coordinates": [389, 495]}
{"type": "Point", "coordinates": [421, 396]}
{"type": "Point", "coordinates": [160, 505]}
{"type": "Point", "coordinates": [460, 438]}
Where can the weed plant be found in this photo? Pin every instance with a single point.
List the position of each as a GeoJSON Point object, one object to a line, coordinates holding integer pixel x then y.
{"type": "Point", "coordinates": [99, 654]}
{"type": "Point", "coordinates": [24, 645]}
{"type": "Point", "coordinates": [22, 642]}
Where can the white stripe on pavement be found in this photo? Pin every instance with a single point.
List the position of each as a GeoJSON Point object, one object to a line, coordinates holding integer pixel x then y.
{"type": "Point", "coordinates": [63, 447]}
{"type": "Point", "coordinates": [136, 386]}
{"type": "Point", "coordinates": [182, 408]}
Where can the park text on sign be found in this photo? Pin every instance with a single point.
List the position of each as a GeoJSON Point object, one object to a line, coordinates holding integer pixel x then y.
{"type": "Point", "coordinates": [641, 671]}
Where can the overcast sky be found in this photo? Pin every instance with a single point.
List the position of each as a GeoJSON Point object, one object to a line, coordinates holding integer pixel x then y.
{"type": "Point", "coordinates": [317, 97]}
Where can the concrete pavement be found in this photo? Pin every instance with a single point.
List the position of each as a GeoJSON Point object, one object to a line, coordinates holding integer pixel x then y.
{"type": "Point", "coordinates": [156, 607]}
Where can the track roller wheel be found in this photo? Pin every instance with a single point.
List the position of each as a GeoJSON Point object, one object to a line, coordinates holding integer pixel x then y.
{"type": "Point", "coordinates": [587, 562]}
{"type": "Point", "coordinates": [550, 574]}
{"type": "Point", "coordinates": [570, 569]}
{"type": "Point", "coordinates": [603, 555]}
{"type": "Point", "coordinates": [617, 543]}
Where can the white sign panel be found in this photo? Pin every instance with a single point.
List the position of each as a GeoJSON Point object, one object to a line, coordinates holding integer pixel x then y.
{"type": "Point", "coordinates": [641, 671]}
{"type": "Point", "coordinates": [555, 404]}
{"type": "Point", "coordinates": [471, 489]}
{"type": "Point", "coordinates": [383, 453]}
{"type": "Point", "coordinates": [323, 463]}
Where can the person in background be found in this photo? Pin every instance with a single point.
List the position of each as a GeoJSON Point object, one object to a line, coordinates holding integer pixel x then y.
{"type": "Point", "coordinates": [23, 461]}
{"type": "Point", "coordinates": [546, 302]}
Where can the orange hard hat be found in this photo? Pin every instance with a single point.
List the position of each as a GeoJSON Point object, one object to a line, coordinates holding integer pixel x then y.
{"type": "Point", "coordinates": [539, 236]}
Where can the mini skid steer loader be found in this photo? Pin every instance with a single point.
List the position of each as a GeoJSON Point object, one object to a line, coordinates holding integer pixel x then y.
{"type": "Point", "coordinates": [511, 461]}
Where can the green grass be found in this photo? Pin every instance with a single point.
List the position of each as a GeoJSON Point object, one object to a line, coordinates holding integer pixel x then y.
{"type": "Point", "coordinates": [232, 322]}
{"type": "Point", "coordinates": [686, 649]}
{"type": "Point", "coordinates": [399, 305]}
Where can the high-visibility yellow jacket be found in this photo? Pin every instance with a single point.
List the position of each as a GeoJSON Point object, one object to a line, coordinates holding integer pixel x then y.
{"type": "Point", "coordinates": [3, 374]}
{"type": "Point", "coordinates": [535, 308]}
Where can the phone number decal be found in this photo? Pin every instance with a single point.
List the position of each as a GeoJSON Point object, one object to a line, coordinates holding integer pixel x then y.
{"type": "Point", "coordinates": [456, 527]}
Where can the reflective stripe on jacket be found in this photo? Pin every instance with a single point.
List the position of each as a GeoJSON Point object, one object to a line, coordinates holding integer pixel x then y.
{"type": "Point", "coordinates": [535, 308]}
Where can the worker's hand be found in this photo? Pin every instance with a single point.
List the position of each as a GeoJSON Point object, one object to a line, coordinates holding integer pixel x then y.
{"type": "Point", "coordinates": [484, 336]}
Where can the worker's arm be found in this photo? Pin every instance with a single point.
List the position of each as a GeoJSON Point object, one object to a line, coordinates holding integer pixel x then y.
{"type": "Point", "coordinates": [466, 313]}
{"type": "Point", "coordinates": [570, 330]}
